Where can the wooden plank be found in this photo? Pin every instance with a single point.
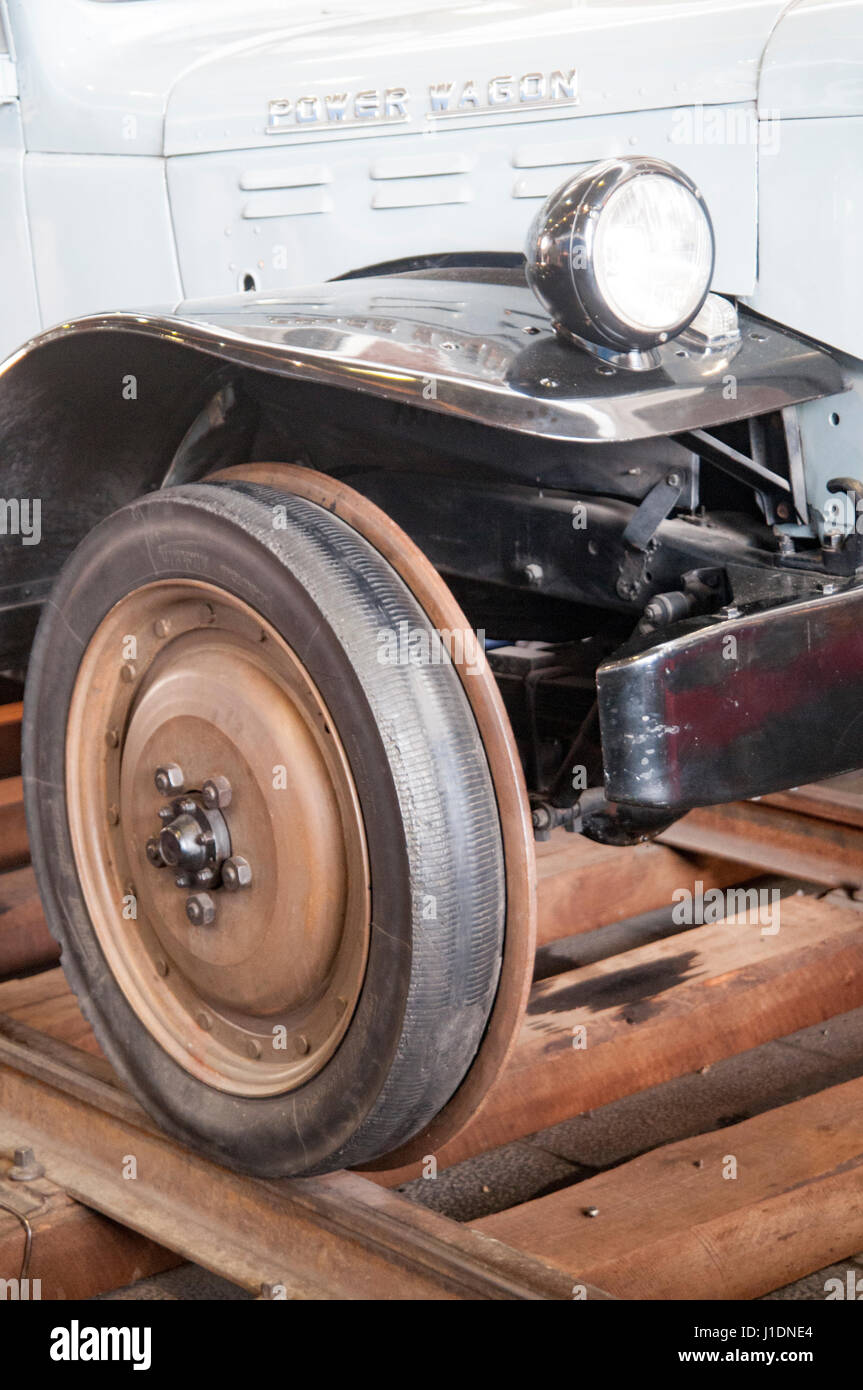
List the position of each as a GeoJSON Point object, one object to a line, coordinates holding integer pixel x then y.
{"type": "Point", "coordinates": [663, 1009]}
{"type": "Point", "coordinates": [775, 840]}
{"type": "Point", "coordinates": [25, 940]}
{"type": "Point", "coordinates": [46, 1003]}
{"type": "Point", "coordinates": [75, 1252]}
{"type": "Point", "coordinates": [582, 885]}
{"type": "Point", "coordinates": [672, 1225]}
{"type": "Point", "coordinates": [14, 849]}
{"type": "Point", "coordinates": [10, 739]}
{"type": "Point", "coordinates": [839, 799]}
{"type": "Point", "coordinates": [328, 1237]}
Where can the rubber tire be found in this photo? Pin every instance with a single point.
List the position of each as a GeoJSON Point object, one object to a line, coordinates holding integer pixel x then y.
{"type": "Point", "coordinates": [424, 788]}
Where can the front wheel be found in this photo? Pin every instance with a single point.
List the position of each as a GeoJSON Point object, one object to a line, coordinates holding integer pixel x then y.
{"type": "Point", "coordinates": [264, 828]}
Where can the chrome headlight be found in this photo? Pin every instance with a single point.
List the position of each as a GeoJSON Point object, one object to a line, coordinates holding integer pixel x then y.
{"type": "Point", "coordinates": [622, 254]}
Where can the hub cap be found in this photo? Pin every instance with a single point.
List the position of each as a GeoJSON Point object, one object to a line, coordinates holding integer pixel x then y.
{"type": "Point", "coordinates": [233, 911]}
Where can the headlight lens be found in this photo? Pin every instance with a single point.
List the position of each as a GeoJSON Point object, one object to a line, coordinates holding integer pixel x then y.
{"type": "Point", "coordinates": [653, 253]}
{"type": "Point", "coordinates": [622, 254]}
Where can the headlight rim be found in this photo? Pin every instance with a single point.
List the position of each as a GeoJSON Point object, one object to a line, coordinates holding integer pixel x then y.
{"type": "Point", "coordinates": [560, 261]}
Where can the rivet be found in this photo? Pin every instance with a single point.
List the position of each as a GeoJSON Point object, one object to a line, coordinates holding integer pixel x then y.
{"type": "Point", "coordinates": [112, 738]}
{"type": "Point", "coordinates": [161, 966]}
{"type": "Point", "coordinates": [301, 1043]}
{"type": "Point", "coordinates": [253, 1047]}
{"type": "Point", "coordinates": [590, 1211]}
{"type": "Point", "coordinates": [204, 1020]}
{"type": "Point", "coordinates": [162, 627]}
{"type": "Point", "coordinates": [114, 815]}
{"type": "Point", "coordinates": [127, 673]}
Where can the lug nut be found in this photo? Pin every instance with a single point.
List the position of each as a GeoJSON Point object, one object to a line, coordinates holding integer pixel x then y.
{"type": "Point", "coordinates": [154, 854]}
{"type": "Point", "coordinates": [169, 779]}
{"type": "Point", "coordinates": [200, 909]}
{"type": "Point", "coordinates": [236, 873]}
{"type": "Point", "coordinates": [216, 793]}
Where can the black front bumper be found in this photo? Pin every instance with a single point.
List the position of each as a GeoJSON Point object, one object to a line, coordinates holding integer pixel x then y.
{"type": "Point", "coordinates": [736, 707]}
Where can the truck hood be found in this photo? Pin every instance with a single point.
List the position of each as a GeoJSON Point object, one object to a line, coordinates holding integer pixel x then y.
{"type": "Point", "coordinates": [182, 77]}
{"type": "Point", "coordinates": [506, 61]}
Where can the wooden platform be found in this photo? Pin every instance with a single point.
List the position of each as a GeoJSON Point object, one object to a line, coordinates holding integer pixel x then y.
{"type": "Point", "coordinates": [673, 1223]}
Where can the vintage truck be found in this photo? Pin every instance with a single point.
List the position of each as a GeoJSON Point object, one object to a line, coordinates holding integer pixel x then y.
{"type": "Point", "coordinates": [434, 425]}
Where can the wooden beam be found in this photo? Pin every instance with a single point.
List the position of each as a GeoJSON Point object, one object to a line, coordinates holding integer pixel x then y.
{"type": "Point", "coordinates": [10, 739]}
{"type": "Point", "coordinates": [664, 1009]}
{"type": "Point", "coordinates": [45, 1003]}
{"type": "Point", "coordinates": [25, 940]}
{"type": "Point", "coordinates": [582, 885]}
{"type": "Point", "coordinates": [14, 849]}
{"type": "Point", "coordinates": [337, 1236]}
{"type": "Point", "coordinates": [674, 1223]}
{"type": "Point", "coordinates": [75, 1252]}
{"type": "Point", "coordinates": [778, 841]}
{"type": "Point", "coordinates": [839, 799]}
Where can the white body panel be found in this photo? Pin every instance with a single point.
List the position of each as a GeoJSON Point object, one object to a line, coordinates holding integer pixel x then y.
{"type": "Point", "coordinates": [292, 215]}
{"type": "Point", "coordinates": [811, 189]}
{"type": "Point", "coordinates": [101, 233]}
{"type": "Point", "coordinates": [19, 318]}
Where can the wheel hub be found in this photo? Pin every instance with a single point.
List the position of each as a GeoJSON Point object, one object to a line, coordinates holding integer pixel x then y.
{"type": "Point", "coordinates": [195, 843]}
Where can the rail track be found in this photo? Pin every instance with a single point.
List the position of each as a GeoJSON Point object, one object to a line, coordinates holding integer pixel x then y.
{"type": "Point", "coordinates": [119, 1200]}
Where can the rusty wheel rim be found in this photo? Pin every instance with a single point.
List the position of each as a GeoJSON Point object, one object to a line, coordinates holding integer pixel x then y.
{"type": "Point", "coordinates": [440, 605]}
{"type": "Point", "coordinates": [184, 677]}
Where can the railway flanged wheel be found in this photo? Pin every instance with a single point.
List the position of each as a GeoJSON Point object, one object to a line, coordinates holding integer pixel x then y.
{"type": "Point", "coordinates": [266, 833]}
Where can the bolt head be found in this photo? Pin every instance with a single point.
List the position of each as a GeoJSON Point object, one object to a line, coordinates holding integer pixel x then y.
{"type": "Point", "coordinates": [216, 793]}
{"type": "Point", "coordinates": [169, 779]}
{"type": "Point", "coordinates": [24, 1165]}
{"type": "Point", "coordinates": [200, 909]}
{"type": "Point", "coordinates": [236, 873]}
